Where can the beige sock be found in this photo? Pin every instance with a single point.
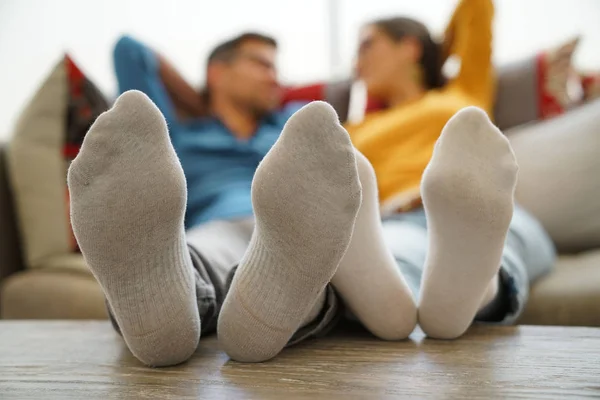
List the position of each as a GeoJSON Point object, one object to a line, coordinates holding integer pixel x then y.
{"type": "Point", "coordinates": [128, 199]}
{"type": "Point", "coordinates": [305, 196]}
{"type": "Point", "coordinates": [368, 278]}
{"type": "Point", "coordinates": [468, 190]}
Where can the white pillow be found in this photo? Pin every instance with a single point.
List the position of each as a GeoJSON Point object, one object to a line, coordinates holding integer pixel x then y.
{"type": "Point", "coordinates": [559, 175]}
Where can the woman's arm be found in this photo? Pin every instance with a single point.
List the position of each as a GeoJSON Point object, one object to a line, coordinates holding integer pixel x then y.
{"type": "Point", "coordinates": [469, 37]}
{"type": "Point", "coordinates": [136, 68]}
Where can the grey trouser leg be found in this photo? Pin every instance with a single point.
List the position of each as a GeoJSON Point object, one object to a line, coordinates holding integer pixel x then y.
{"type": "Point", "coordinates": [528, 254]}
{"type": "Point", "coordinates": [216, 248]}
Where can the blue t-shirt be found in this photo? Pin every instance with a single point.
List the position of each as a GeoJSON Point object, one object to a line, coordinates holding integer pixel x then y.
{"type": "Point", "coordinates": [218, 167]}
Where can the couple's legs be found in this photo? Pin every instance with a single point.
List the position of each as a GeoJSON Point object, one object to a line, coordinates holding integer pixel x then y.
{"type": "Point", "coordinates": [468, 194]}
{"type": "Point", "coordinates": [467, 189]}
{"type": "Point", "coordinates": [128, 200]}
{"type": "Point", "coordinates": [270, 297]}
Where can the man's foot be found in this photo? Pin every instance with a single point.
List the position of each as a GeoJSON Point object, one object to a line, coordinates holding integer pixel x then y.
{"type": "Point", "coordinates": [128, 198]}
{"type": "Point", "coordinates": [468, 193]}
{"type": "Point", "coordinates": [368, 278]}
{"type": "Point", "coordinates": [305, 195]}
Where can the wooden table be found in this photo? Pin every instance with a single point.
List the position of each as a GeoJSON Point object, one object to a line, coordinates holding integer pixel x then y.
{"type": "Point", "coordinates": [87, 360]}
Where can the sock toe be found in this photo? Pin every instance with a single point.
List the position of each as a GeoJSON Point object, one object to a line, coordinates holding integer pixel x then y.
{"type": "Point", "coordinates": [315, 129]}
{"type": "Point", "coordinates": [134, 110]}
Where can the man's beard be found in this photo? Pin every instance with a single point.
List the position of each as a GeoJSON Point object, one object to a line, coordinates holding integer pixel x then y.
{"type": "Point", "coordinates": [259, 112]}
{"type": "Point", "coordinates": [256, 110]}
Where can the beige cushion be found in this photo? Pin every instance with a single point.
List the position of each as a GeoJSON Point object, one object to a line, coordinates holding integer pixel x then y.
{"type": "Point", "coordinates": [68, 261]}
{"type": "Point", "coordinates": [52, 294]}
{"type": "Point", "coordinates": [568, 296]}
{"type": "Point", "coordinates": [48, 135]}
{"type": "Point", "coordinates": [38, 171]}
{"type": "Point", "coordinates": [559, 175]}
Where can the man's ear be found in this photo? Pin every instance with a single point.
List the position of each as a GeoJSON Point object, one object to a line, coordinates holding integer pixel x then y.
{"type": "Point", "coordinates": [214, 72]}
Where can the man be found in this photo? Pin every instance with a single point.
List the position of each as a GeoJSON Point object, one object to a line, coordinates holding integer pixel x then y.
{"type": "Point", "coordinates": [129, 196]}
{"type": "Point", "coordinates": [241, 99]}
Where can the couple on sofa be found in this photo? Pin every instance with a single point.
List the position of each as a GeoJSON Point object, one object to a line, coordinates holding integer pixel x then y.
{"type": "Point", "coordinates": [262, 221]}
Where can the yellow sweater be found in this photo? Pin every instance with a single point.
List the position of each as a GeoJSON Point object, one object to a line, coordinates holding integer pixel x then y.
{"type": "Point", "coordinates": [399, 141]}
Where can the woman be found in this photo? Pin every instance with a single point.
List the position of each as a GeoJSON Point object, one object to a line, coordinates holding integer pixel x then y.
{"type": "Point", "coordinates": [464, 253]}
{"type": "Point", "coordinates": [401, 66]}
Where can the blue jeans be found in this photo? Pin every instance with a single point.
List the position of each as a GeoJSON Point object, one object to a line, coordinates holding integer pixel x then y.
{"type": "Point", "coordinates": [528, 254]}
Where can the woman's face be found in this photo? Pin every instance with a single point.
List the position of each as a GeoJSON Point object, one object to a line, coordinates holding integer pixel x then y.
{"type": "Point", "coordinates": [382, 62]}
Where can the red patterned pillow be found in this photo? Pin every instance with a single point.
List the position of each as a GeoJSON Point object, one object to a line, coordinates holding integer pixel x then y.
{"type": "Point", "coordinates": [535, 88]}
{"type": "Point", "coordinates": [554, 71]}
{"type": "Point", "coordinates": [47, 137]}
{"type": "Point", "coordinates": [590, 83]}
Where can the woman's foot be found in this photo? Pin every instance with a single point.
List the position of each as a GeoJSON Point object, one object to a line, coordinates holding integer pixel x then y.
{"type": "Point", "coordinates": [368, 278]}
{"type": "Point", "coordinates": [468, 194]}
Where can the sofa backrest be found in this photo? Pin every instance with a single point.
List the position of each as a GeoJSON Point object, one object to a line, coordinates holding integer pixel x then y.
{"type": "Point", "coordinates": [11, 259]}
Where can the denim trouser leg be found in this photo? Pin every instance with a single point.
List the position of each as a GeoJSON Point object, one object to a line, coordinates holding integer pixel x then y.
{"type": "Point", "coordinates": [528, 254]}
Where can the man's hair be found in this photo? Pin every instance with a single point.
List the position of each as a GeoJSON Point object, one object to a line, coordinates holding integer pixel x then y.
{"type": "Point", "coordinates": [226, 51]}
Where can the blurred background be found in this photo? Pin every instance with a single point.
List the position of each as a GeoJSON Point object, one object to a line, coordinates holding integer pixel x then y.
{"type": "Point", "coordinates": [318, 37]}
{"type": "Point", "coordinates": [547, 103]}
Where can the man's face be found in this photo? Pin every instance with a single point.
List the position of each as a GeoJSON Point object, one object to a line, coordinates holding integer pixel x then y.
{"type": "Point", "coordinates": [250, 78]}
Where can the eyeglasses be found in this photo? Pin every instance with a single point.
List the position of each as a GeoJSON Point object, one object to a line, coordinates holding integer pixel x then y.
{"type": "Point", "coordinates": [365, 45]}
{"type": "Point", "coordinates": [257, 59]}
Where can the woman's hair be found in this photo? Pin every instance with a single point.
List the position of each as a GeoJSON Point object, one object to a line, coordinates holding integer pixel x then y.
{"type": "Point", "coordinates": [431, 56]}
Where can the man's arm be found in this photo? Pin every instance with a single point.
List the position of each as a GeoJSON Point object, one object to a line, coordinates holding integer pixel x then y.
{"type": "Point", "coordinates": [186, 99]}
{"type": "Point", "coordinates": [139, 68]}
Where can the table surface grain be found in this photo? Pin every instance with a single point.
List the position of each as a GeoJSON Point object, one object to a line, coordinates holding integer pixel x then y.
{"type": "Point", "coordinates": [88, 360]}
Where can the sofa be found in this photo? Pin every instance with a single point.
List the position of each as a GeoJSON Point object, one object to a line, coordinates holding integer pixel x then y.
{"type": "Point", "coordinates": [39, 293]}
{"type": "Point", "coordinates": [570, 295]}
{"type": "Point", "coordinates": [42, 275]}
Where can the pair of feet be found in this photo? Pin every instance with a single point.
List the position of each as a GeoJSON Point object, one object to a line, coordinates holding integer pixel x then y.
{"type": "Point", "coordinates": [317, 221]}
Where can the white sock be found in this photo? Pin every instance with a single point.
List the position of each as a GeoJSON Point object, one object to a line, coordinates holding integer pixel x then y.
{"type": "Point", "coordinates": [368, 278]}
{"type": "Point", "coordinates": [468, 193]}
{"type": "Point", "coordinates": [306, 195]}
{"type": "Point", "coordinates": [128, 198]}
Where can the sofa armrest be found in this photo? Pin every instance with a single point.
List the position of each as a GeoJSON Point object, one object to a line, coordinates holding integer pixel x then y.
{"type": "Point", "coordinates": [11, 259]}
